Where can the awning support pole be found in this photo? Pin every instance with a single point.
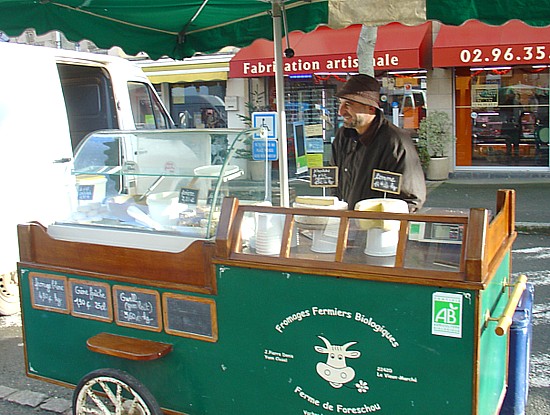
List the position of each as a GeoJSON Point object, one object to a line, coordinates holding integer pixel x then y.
{"type": "Point", "coordinates": [280, 100]}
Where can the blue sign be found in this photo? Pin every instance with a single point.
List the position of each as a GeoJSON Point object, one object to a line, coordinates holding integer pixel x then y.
{"type": "Point", "coordinates": [258, 150]}
{"type": "Point", "coordinates": [266, 120]}
{"type": "Point", "coordinates": [314, 145]}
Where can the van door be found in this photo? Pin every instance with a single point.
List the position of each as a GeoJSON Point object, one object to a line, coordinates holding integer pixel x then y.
{"type": "Point", "coordinates": [36, 154]}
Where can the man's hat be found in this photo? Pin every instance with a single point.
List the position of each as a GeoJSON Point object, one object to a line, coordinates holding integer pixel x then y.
{"type": "Point", "coordinates": [361, 88]}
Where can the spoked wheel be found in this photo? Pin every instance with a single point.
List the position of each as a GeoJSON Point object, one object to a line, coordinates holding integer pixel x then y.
{"type": "Point", "coordinates": [113, 392]}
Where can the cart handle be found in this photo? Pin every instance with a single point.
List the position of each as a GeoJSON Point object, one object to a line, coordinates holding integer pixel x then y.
{"type": "Point", "coordinates": [505, 321]}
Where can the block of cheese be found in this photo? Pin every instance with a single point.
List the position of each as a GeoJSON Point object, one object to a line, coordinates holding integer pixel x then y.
{"type": "Point", "coordinates": [317, 202]}
{"type": "Point", "coordinates": [381, 205]}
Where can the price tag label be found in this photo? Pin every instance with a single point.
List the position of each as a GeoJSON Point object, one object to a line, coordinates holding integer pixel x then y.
{"type": "Point", "coordinates": [189, 196]}
{"type": "Point", "coordinates": [323, 176]}
{"type": "Point", "coordinates": [386, 181]}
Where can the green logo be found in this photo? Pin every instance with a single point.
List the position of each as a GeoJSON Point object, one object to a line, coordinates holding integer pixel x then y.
{"type": "Point", "coordinates": [447, 314]}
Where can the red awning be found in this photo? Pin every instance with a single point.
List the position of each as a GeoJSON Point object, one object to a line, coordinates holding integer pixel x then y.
{"type": "Point", "coordinates": [327, 50]}
{"type": "Point", "coordinates": [479, 44]}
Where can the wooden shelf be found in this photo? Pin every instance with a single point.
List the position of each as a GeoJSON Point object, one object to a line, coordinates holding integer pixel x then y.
{"type": "Point", "coordinates": [127, 347]}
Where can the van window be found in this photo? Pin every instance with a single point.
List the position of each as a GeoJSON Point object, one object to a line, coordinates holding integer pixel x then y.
{"type": "Point", "coordinates": [88, 98]}
{"type": "Point", "coordinates": [146, 108]}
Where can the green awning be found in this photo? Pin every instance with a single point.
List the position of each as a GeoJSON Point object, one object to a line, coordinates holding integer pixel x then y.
{"type": "Point", "coordinates": [456, 12]}
{"type": "Point", "coordinates": [180, 28]}
{"type": "Point", "coordinates": [177, 28]}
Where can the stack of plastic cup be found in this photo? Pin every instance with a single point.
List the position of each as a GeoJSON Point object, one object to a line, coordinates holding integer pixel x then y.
{"type": "Point", "coordinates": [269, 233]}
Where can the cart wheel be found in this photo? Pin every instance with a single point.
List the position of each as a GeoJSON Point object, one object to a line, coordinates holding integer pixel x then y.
{"type": "Point", "coordinates": [9, 294]}
{"type": "Point", "coordinates": [112, 391]}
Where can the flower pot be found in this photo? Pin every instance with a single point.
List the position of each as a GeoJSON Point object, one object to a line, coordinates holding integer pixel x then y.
{"type": "Point", "coordinates": [256, 170]}
{"type": "Point", "coordinates": [438, 169]}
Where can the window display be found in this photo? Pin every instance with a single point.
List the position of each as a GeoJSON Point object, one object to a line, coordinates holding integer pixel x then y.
{"type": "Point", "coordinates": [509, 116]}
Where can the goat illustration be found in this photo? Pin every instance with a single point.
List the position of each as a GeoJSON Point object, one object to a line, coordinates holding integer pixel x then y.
{"type": "Point", "coordinates": [335, 371]}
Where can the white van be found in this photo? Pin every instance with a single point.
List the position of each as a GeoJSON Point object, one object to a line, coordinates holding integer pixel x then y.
{"type": "Point", "coordinates": [50, 99]}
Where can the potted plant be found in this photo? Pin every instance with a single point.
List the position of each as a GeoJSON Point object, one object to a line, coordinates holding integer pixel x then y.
{"type": "Point", "coordinates": [434, 139]}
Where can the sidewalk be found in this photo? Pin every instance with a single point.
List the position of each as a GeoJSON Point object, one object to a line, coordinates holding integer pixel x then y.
{"type": "Point", "coordinates": [532, 197]}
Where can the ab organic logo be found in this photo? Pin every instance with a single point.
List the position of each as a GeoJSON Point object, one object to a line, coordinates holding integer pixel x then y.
{"type": "Point", "coordinates": [447, 314]}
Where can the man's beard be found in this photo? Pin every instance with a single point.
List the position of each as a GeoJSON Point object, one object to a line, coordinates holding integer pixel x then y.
{"type": "Point", "coordinates": [351, 123]}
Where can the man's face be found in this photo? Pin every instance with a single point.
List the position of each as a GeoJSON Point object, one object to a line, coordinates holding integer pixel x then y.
{"type": "Point", "coordinates": [355, 114]}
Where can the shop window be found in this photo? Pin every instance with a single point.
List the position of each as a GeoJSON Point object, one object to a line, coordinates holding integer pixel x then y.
{"type": "Point", "coordinates": [508, 115]}
{"type": "Point", "coordinates": [403, 99]}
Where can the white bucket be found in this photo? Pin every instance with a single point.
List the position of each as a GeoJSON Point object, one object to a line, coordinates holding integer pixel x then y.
{"type": "Point", "coordinates": [90, 189]}
{"type": "Point", "coordinates": [382, 235]}
{"type": "Point", "coordinates": [381, 242]}
{"type": "Point", "coordinates": [164, 208]}
{"type": "Point", "coordinates": [325, 240]}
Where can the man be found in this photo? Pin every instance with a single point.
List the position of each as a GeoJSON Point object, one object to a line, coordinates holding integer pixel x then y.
{"type": "Point", "coordinates": [368, 141]}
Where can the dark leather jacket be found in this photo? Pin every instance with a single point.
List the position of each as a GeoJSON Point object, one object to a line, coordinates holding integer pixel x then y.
{"type": "Point", "coordinates": [384, 147]}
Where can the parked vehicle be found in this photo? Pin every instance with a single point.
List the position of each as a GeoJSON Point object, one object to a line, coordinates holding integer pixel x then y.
{"type": "Point", "coordinates": [411, 104]}
{"type": "Point", "coordinates": [201, 111]}
{"type": "Point", "coordinates": [50, 99]}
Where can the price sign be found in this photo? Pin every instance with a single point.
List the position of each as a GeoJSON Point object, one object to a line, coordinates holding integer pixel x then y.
{"type": "Point", "coordinates": [386, 181]}
{"type": "Point", "coordinates": [137, 307]}
{"type": "Point", "coordinates": [189, 196]}
{"type": "Point", "coordinates": [86, 192]}
{"type": "Point", "coordinates": [323, 176]}
{"type": "Point", "coordinates": [91, 300]}
{"type": "Point", "coordinates": [48, 292]}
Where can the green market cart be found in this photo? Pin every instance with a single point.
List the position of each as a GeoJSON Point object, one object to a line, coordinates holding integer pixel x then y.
{"type": "Point", "coordinates": [270, 310]}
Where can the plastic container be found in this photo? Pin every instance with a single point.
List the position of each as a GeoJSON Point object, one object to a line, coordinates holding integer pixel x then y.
{"type": "Point", "coordinates": [90, 189]}
{"type": "Point", "coordinates": [382, 235]}
{"type": "Point", "coordinates": [518, 360]}
{"type": "Point", "coordinates": [324, 240]}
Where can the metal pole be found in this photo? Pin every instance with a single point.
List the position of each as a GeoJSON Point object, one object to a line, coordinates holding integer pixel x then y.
{"type": "Point", "coordinates": [280, 100]}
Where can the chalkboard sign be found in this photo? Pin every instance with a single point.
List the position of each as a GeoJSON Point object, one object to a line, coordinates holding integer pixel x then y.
{"type": "Point", "coordinates": [48, 292]}
{"type": "Point", "coordinates": [189, 196]}
{"type": "Point", "coordinates": [137, 307]}
{"type": "Point", "coordinates": [86, 192]}
{"type": "Point", "coordinates": [323, 176]}
{"type": "Point", "coordinates": [210, 197]}
{"type": "Point", "coordinates": [187, 316]}
{"type": "Point", "coordinates": [386, 181]}
{"type": "Point", "coordinates": [91, 300]}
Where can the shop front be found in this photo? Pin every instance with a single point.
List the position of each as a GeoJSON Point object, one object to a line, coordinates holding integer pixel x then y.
{"type": "Point", "coordinates": [321, 63]}
{"type": "Point", "coordinates": [501, 79]}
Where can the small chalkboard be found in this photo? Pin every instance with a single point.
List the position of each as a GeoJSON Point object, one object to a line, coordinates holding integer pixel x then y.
{"type": "Point", "coordinates": [48, 292]}
{"type": "Point", "coordinates": [323, 176]}
{"type": "Point", "coordinates": [91, 300]}
{"type": "Point", "coordinates": [210, 197]}
{"type": "Point", "coordinates": [189, 196]}
{"type": "Point", "coordinates": [386, 181]}
{"type": "Point", "coordinates": [187, 316]}
{"type": "Point", "coordinates": [86, 192]}
{"type": "Point", "coordinates": [137, 307]}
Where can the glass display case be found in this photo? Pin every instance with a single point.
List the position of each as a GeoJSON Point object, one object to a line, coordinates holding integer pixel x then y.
{"type": "Point", "coordinates": [353, 238]}
{"type": "Point", "coordinates": [161, 184]}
